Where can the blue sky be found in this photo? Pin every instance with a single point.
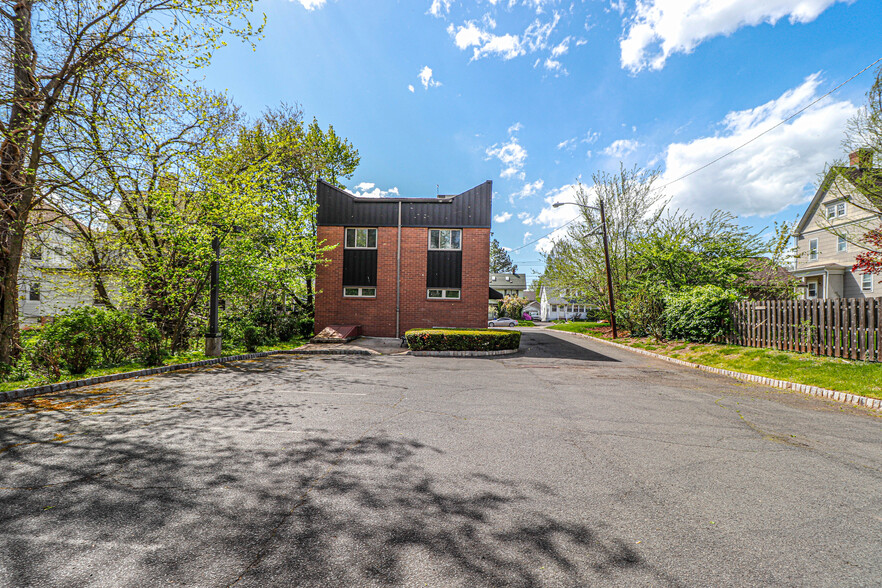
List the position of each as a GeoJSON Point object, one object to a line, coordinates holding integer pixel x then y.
{"type": "Point", "coordinates": [535, 94]}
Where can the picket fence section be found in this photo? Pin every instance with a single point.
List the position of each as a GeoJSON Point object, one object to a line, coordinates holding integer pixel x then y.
{"type": "Point", "coordinates": [849, 328]}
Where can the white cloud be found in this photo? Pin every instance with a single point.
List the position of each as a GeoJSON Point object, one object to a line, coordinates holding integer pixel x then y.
{"type": "Point", "coordinates": [370, 190]}
{"type": "Point", "coordinates": [555, 66]}
{"type": "Point", "coordinates": [561, 48]}
{"type": "Point", "coordinates": [525, 216]}
{"type": "Point", "coordinates": [507, 46]}
{"type": "Point", "coordinates": [529, 189]}
{"type": "Point", "coordinates": [622, 148]}
{"type": "Point", "coordinates": [527, 236]}
{"type": "Point", "coordinates": [511, 154]}
{"type": "Point", "coordinates": [568, 144]}
{"type": "Point", "coordinates": [410, 87]}
{"type": "Point", "coordinates": [618, 6]}
{"type": "Point", "coordinates": [312, 4]}
{"type": "Point", "coordinates": [546, 243]}
{"type": "Point", "coordinates": [438, 6]}
{"type": "Point", "coordinates": [660, 28]}
{"type": "Point", "coordinates": [426, 78]}
{"type": "Point", "coordinates": [501, 218]}
{"type": "Point", "coordinates": [769, 174]}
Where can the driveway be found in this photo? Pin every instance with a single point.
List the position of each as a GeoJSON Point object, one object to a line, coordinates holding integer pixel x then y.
{"type": "Point", "coordinates": [570, 463]}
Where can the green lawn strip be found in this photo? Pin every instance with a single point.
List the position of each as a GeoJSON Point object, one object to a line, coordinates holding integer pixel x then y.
{"type": "Point", "coordinates": [183, 357]}
{"type": "Point", "coordinates": [854, 377]}
{"type": "Point", "coordinates": [586, 327]}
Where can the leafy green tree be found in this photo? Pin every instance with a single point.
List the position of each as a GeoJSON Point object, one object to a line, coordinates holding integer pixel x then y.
{"type": "Point", "coordinates": [293, 156]}
{"type": "Point", "coordinates": [576, 262]}
{"type": "Point", "coordinates": [500, 262]}
{"type": "Point", "coordinates": [51, 51]}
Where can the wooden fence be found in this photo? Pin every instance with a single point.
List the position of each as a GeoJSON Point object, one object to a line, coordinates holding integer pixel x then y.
{"type": "Point", "coordinates": [847, 328]}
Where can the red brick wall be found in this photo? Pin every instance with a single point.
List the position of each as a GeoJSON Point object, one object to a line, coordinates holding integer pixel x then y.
{"type": "Point", "coordinates": [377, 315]}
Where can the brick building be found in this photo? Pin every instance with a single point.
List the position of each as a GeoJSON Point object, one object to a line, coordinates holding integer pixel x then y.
{"type": "Point", "coordinates": [403, 263]}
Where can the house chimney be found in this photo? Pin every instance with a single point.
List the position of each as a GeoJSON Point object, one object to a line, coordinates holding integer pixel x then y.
{"type": "Point", "coordinates": [861, 159]}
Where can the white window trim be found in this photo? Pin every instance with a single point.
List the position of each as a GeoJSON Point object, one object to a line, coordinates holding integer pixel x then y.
{"type": "Point", "coordinates": [871, 283]}
{"type": "Point", "coordinates": [444, 292]}
{"type": "Point", "coordinates": [844, 206]}
{"type": "Point", "coordinates": [346, 235]}
{"type": "Point", "coordinates": [439, 240]}
{"type": "Point", "coordinates": [813, 250]}
{"type": "Point", "coordinates": [361, 290]}
{"type": "Point", "coordinates": [831, 211]}
{"type": "Point", "coordinates": [841, 244]}
{"type": "Point", "coordinates": [808, 290]}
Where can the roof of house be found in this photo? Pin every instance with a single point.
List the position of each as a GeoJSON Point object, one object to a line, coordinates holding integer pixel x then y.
{"type": "Point", "coordinates": [860, 178]}
{"type": "Point", "coordinates": [506, 280]}
{"type": "Point", "coordinates": [471, 209]}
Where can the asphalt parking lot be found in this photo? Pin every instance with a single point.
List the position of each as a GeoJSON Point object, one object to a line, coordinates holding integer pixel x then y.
{"type": "Point", "coordinates": [569, 464]}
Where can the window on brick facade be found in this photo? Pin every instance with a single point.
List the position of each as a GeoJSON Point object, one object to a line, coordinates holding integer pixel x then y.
{"type": "Point", "coordinates": [450, 239]}
{"type": "Point", "coordinates": [443, 294]}
{"type": "Point", "coordinates": [361, 238]}
{"type": "Point", "coordinates": [360, 292]}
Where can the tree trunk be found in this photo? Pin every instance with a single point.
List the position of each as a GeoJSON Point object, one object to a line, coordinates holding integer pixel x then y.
{"type": "Point", "coordinates": [11, 242]}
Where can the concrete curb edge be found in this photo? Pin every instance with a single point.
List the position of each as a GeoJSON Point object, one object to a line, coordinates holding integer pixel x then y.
{"type": "Point", "coordinates": [464, 353]}
{"type": "Point", "coordinates": [855, 399]}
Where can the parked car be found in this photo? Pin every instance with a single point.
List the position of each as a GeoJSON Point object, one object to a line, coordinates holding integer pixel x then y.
{"type": "Point", "coordinates": [502, 322]}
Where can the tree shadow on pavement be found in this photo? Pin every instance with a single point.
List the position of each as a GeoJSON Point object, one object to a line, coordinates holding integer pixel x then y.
{"type": "Point", "coordinates": [130, 491]}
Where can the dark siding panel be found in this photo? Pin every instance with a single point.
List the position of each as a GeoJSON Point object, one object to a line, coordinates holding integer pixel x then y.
{"type": "Point", "coordinates": [444, 269]}
{"type": "Point", "coordinates": [471, 209]}
{"type": "Point", "coordinates": [359, 267]}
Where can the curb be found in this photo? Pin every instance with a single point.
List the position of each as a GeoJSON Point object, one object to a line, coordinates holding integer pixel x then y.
{"type": "Point", "coordinates": [61, 386]}
{"type": "Point", "coordinates": [855, 399]}
{"type": "Point", "coordinates": [464, 353]}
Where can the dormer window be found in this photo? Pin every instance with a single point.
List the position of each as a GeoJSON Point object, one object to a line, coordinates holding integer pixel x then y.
{"type": "Point", "coordinates": [836, 210]}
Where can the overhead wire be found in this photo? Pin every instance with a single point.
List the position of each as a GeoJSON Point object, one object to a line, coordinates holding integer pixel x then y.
{"type": "Point", "coordinates": [723, 156]}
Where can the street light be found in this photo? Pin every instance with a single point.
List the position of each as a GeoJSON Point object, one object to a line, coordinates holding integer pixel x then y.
{"type": "Point", "coordinates": [609, 287]}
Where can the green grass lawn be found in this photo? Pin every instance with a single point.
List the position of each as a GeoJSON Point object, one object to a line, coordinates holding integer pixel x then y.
{"type": "Point", "coordinates": [182, 357]}
{"type": "Point", "coordinates": [855, 377]}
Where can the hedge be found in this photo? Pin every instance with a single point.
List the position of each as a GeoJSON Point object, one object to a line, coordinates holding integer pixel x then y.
{"type": "Point", "coordinates": [462, 339]}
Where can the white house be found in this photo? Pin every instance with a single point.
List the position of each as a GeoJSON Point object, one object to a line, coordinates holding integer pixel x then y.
{"type": "Point", "coordinates": [560, 305]}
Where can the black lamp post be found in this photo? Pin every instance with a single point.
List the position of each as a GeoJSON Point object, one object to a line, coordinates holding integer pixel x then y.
{"type": "Point", "coordinates": [213, 341]}
{"type": "Point", "coordinates": [609, 286]}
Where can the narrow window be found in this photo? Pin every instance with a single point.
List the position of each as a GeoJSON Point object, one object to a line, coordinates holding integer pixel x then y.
{"type": "Point", "coordinates": [842, 245]}
{"type": "Point", "coordinates": [360, 292]}
{"type": "Point", "coordinates": [840, 209]}
{"type": "Point", "coordinates": [813, 250]}
{"type": "Point", "coordinates": [34, 293]}
{"type": "Point", "coordinates": [443, 293]}
{"type": "Point", "coordinates": [361, 238]}
{"type": "Point", "coordinates": [36, 251]}
{"type": "Point", "coordinates": [449, 239]}
{"type": "Point", "coordinates": [867, 283]}
{"type": "Point", "coordinates": [812, 289]}
{"type": "Point", "coordinates": [831, 211]}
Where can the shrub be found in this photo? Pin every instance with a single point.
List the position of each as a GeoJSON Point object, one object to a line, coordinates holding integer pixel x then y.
{"type": "Point", "coordinates": [699, 314]}
{"type": "Point", "coordinates": [512, 307]}
{"type": "Point", "coordinates": [462, 339]}
{"type": "Point", "coordinates": [643, 310]}
{"type": "Point", "coordinates": [115, 332]}
{"type": "Point", "coordinates": [43, 357]}
{"type": "Point", "coordinates": [526, 324]}
{"type": "Point", "coordinates": [73, 335]}
{"type": "Point", "coordinates": [306, 325]}
{"type": "Point", "coordinates": [150, 345]}
{"type": "Point", "coordinates": [288, 327]}
{"type": "Point", "coordinates": [253, 337]}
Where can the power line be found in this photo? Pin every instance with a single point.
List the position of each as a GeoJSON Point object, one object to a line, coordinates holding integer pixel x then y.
{"type": "Point", "coordinates": [723, 156]}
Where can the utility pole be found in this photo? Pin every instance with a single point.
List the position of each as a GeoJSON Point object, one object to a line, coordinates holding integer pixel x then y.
{"type": "Point", "coordinates": [609, 287]}
{"type": "Point", "coordinates": [609, 284]}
